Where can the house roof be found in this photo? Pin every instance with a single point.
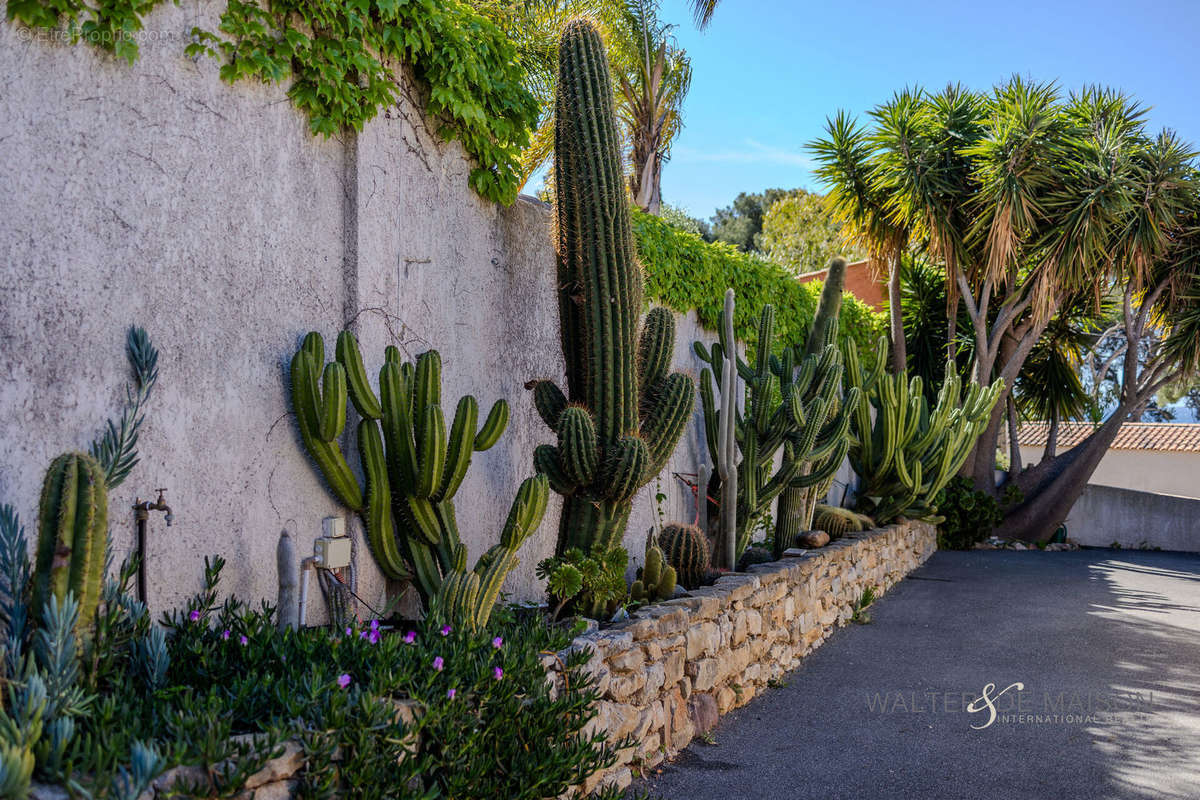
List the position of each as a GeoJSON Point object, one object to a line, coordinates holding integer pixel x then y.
{"type": "Point", "coordinates": [1176, 437]}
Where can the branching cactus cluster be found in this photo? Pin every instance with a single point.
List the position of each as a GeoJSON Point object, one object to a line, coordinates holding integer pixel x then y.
{"type": "Point", "coordinates": [656, 578]}
{"type": "Point", "coordinates": [623, 412]}
{"type": "Point", "coordinates": [909, 453]}
{"type": "Point", "coordinates": [72, 534]}
{"type": "Point", "coordinates": [798, 408]}
{"type": "Point", "coordinates": [413, 468]}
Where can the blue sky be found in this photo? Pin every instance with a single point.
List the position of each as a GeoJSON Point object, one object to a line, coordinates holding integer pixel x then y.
{"type": "Point", "coordinates": [768, 72]}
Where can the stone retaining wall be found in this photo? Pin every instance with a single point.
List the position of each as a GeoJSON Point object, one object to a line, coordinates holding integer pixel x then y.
{"type": "Point", "coordinates": [667, 673]}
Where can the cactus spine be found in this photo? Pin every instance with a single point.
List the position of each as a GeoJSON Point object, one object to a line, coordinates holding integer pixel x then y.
{"type": "Point", "coordinates": [656, 579]}
{"type": "Point", "coordinates": [686, 549]}
{"type": "Point", "coordinates": [413, 466]}
{"type": "Point", "coordinates": [908, 453]}
{"type": "Point", "coordinates": [797, 503]}
{"type": "Point", "coordinates": [72, 535]}
{"type": "Point", "coordinates": [809, 424]}
{"type": "Point", "coordinates": [622, 413]}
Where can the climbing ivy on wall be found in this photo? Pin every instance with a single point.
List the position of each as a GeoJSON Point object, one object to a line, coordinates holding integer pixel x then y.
{"type": "Point", "coordinates": [337, 53]}
{"type": "Point", "coordinates": [683, 272]}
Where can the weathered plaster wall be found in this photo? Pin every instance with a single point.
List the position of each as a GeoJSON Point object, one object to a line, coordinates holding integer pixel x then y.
{"type": "Point", "coordinates": [666, 674]}
{"type": "Point", "coordinates": [1160, 471]}
{"type": "Point", "coordinates": [1132, 519]}
{"type": "Point", "coordinates": [157, 195]}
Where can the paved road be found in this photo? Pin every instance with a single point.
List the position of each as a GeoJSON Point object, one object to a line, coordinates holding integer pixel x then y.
{"type": "Point", "coordinates": [879, 710]}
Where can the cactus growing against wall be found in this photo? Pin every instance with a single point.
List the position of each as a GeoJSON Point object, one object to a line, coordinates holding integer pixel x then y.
{"type": "Point", "coordinates": [413, 468]}
{"type": "Point", "coordinates": [796, 408]}
{"type": "Point", "coordinates": [686, 549]}
{"type": "Point", "coordinates": [908, 453]}
{"type": "Point", "coordinates": [837, 522]}
{"type": "Point", "coordinates": [656, 578]}
{"type": "Point", "coordinates": [622, 413]}
{"type": "Point", "coordinates": [72, 534]}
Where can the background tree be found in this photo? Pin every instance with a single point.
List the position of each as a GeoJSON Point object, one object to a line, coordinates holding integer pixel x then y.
{"type": "Point", "coordinates": [653, 75]}
{"type": "Point", "coordinates": [741, 223]}
{"type": "Point", "coordinates": [799, 233]}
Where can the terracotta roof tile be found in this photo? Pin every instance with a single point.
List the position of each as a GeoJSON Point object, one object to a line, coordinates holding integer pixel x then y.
{"type": "Point", "coordinates": [1181, 437]}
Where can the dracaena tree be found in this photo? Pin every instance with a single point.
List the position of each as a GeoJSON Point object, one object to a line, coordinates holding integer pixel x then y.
{"type": "Point", "coordinates": [1028, 198]}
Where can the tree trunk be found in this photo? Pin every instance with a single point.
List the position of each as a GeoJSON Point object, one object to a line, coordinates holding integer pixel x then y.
{"type": "Point", "coordinates": [899, 348]}
{"type": "Point", "coordinates": [1052, 487]}
{"type": "Point", "coordinates": [1014, 444]}
{"type": "Point", "coordinates": [1052, 437]}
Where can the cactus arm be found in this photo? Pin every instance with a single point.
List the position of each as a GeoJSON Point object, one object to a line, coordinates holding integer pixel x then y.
{"type": "Point", "coordinates": [578, 449]}
{"type": "Point", "coordinates": [673, 399]}
{"type": "Point", "coordinates": [493, 426]}
{"type": "Point", "coordinates": [332, 406]}
{"type": "Point", "coordinates": [460, 447]}
{"type": "Point", "coordinates": [377, 518]}
{"type": "Point", "coordinates": [350, 357]}
{"type": "Point", "coordinates": [327, 455]}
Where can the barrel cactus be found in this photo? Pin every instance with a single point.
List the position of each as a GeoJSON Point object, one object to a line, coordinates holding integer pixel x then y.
{"type": "Point", "coordinates": [413, 467]}
{"type": "Point", "coordinates": [622, 413]}
{"type": "Point", "coordinates": [72, 534]}
{"type": "Point", "coordinates": [837, 522]}
{"type": "Point", "coordinates": [686, 549]}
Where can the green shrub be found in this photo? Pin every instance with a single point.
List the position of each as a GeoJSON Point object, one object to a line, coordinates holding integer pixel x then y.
{"type": "Point", "coordinates": [970, 515]}
{"type": "Point", "coordinates": [685, 272]}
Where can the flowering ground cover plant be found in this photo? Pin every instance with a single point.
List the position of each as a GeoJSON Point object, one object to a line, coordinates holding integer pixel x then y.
{"type": "Point", "coordinates": [422, 712]}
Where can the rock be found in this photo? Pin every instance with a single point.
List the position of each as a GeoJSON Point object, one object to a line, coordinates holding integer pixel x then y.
{"type": "Point", "coordinates": [44, 791]}
{"type": "Point", "coordinates": [621, 615]}
{"type": "Point", "coordinates": [812, 539]}
{"type": "Point", "coordinates": [702, 710]}
{"type": "Point", "coordinates": [679, 592]}
{"type": "Point", "coordinates": [1017, 546]}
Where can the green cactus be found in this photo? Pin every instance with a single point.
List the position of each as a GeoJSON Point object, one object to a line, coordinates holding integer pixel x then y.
{"type": "Point", "coordinates": [686, 549]}
{"type": "Point", "coordinates": [656, 579]}
{"type": "Point", "coordinates": [622, 413]}
{"type": "Point", "coordinates": [72, 534]}
{"type": "Point", "coordinates": [413, 468]}
{"type": "Point", "coordinates": [837, 522]}
{"type": "Point", "coordinates": [798, 409]}
{"type": "Point", "coordinates": [908, 454]}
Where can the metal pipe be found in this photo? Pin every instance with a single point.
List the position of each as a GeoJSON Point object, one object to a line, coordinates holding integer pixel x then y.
{"type": "Point", "coordinates": [141, 513]}
{"type": "Point", "coordinates": [306, 566]}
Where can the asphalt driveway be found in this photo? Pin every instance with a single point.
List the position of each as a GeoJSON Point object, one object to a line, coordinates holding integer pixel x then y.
{"type": "Point", "coordinates": [1104, 646]}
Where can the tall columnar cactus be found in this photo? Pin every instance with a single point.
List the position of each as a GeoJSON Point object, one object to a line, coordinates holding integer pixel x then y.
{"type": "Point", "coordinates": [413, 468]}
{"type": "Point", "coordinates": [797, 503]}
{"type": "Point", "coordinates": [622, 413]}
{"type": "Point", "coordinates": [797, 408]}
{"type": "Point", "coordinates": [908, 453]}
{"type": "Point", "coordinates": [72, 534]}
{"type": "Point", "coordinates": [686, 549]}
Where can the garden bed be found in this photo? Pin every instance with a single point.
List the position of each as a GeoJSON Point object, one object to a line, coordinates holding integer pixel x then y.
{"type": "Point", "coordinates": [667, 673]}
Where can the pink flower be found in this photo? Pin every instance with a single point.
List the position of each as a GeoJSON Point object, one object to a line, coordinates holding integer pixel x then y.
{"type": "Point", "coordinates": [497, 643]}
{"type": "Point", "coordinates": [450, 693]}
{"type": "Point", "coordinates": [497, 673]}
{"type": "Point", "coordinates": [194, 616]}
{"type": "Point", "coordinates": [438, 663]}
{"type": "Point", "coordinates": [225, 634]}
{"type": "Point", "coordinates": [344, 680]}
{"type": "Point", "coordinates": [243, 641]}
{"type": "Point", "coordinates": [445, 630]}
{"type": "Point", "coordinates": [410, 637]}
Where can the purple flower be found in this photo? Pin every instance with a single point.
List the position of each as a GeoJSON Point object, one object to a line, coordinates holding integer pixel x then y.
{"type": "Point", "coordinates": [243, 641]}
{"type": "Point", "coordinates": [410, 637]}
{"type": "Point", "coordinates": [349, 631]}
{"type": "Point", "coordinates": [445, 630]}
{"type": "Point", "coordinates": [450, 693]}
{"type": "Point", "coordinates": [344, 680]}
{"type": "Point", "coordinates": [497, 643]}
{"type": "Point", "coordinates": [373, 637]}
{"type": "Point", "coordinates": [194, 616]}
{"type": "Point", "coordinates": [225, 634]}
{"type": "Point", "coordinates": [497, 673]}
{"type": "Point", "coordinates": [374, 624]}
{"type": "Point", "coordinates": [437, 663]}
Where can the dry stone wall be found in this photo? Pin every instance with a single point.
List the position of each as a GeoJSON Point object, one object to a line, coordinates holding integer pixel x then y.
{"type": "Point", "coordinates": [668, 673]}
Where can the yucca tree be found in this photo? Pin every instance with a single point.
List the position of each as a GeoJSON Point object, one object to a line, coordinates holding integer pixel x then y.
{"type": "Point", "coordinates": [653, 76]}
{"type": "Point", "coordinates": [847, 160]}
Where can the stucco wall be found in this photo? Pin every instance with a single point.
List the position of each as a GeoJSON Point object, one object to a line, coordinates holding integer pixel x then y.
{"type": "Point", "coordinates": [1104, 515]}
{"type": "Point", "coordinates": [1141, 470]}
{"type": "Point", "coordinates": [157, 195]}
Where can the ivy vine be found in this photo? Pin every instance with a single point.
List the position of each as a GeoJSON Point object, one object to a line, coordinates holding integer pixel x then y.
{"type": "Point", "coordinates": [685, 272]}
{"type": "Point", "coordinates": [335, 54]}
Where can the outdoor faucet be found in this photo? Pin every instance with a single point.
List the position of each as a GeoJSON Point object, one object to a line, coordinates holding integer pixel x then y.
{"type": "Point", "coordinates": [141, 513]}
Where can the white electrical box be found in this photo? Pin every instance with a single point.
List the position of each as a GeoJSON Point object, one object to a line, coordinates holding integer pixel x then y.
{"type": "Point", "coordinates": [333, 527]}
{"type": "Point", "coordinates": [332, 552]}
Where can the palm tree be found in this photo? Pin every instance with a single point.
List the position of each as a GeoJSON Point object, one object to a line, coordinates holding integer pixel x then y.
{"type": "Point", "coordinates": [847, 165]}
{"type": "Point", "coordinates": [703, 11]}
{"type": "Point", "coordinates": [653, 76]}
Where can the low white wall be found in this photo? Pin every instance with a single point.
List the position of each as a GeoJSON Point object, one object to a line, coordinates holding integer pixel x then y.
{"type": "Point", "coordinates": [1141, 470]}
{"type": "Point", "coordinates": [159, 196]}
{"type": "Point", "coordinates": [1105, 515]}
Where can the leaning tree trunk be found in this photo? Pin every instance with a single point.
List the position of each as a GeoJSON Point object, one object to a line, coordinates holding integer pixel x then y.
{"type": "Point", "coordinates": [1052, 487]}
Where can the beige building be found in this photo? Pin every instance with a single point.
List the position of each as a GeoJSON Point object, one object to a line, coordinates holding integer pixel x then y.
{"type": "Point", "coordinates": [1158, 457]}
